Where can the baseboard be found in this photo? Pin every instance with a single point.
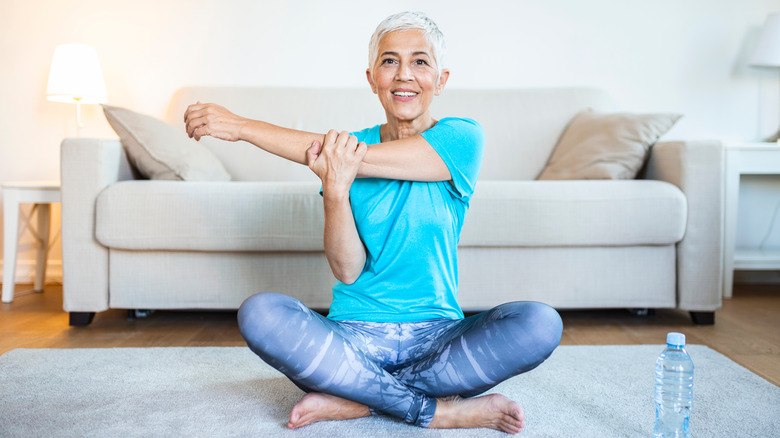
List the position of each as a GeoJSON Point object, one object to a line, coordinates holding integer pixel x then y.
{"type": "Point", "coordinates": [757, 277]}
{"type": "Point", "coordinates": [25, 271]}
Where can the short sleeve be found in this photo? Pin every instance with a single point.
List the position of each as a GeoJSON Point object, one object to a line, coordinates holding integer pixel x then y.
{"type": "Point", "coordinates": [460, 143]}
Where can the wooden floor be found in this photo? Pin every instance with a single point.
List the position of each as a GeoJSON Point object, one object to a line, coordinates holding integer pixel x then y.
{"type": "Point", "coordinates": [747, 329]}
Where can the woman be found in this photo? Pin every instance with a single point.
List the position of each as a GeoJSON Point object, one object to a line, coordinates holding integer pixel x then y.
{"type": "Point", "coordinates": [395, 195]}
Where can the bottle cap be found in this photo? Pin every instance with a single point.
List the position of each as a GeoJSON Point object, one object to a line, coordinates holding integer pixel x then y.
{"type": "Point", "coordinates": [674, 338]}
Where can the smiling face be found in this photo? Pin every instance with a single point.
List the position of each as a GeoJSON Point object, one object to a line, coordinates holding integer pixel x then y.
{"type": "Point", "coordinates": [406, 77]}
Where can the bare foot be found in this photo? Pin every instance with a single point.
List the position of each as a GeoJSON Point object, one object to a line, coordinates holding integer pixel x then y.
{"type": "Point", "coordinates": [315, 407]}
{"type": "Point", "coordinates": [492, 411]}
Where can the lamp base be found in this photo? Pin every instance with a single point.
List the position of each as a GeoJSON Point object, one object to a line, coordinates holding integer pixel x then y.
{"type": "Point", "coordinates": [80, 125]}
{"type": "Point", "coordinates": [774, 138]}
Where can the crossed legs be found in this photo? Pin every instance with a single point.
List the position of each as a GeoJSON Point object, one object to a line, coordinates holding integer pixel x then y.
{"type": "Point", "coordinates": [417, 372]}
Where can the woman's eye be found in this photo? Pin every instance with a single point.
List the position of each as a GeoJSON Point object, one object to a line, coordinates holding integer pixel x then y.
{"type": "Point", "coordinates": [388, 61]}
{"type": "Point", "coordinates": [421, 62]}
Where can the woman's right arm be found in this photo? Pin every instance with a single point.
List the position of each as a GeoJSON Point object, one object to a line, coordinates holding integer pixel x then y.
{"type": "Point", "coordinates": [208, 119]}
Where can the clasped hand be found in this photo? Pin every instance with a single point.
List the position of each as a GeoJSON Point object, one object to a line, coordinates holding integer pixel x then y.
{"type": "Point", "coordinates": [336, 162]}
{"type": "Point", "coordinates": [212, 120]}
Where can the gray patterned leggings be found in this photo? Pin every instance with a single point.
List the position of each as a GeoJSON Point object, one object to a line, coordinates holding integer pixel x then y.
{"type": "Point", "coordinates": [398, 369]}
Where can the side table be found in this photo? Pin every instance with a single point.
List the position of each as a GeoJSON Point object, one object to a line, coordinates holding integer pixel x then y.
{"type": "Point", "coordinates": [41, 194]}
{"type": "Point", "coordinates": [745, 159]}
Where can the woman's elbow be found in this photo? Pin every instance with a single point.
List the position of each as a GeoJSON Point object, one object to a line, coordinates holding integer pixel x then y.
{"type": "Point", "coordinates": [347, 269]}
{"type": "Point", "coordinates": [347, 274]}
{"type": "Point", "coordinates": [347, 277]}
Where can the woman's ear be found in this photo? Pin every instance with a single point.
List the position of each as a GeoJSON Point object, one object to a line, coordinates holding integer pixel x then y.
{"type": "Point", "coordinates": [370, 80]}
{"type": "Point", "coordinates": [445, 74]}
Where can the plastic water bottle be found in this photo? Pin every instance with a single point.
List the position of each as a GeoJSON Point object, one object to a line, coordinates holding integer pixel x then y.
{"type": "Point", "coordinates": [673, 389]}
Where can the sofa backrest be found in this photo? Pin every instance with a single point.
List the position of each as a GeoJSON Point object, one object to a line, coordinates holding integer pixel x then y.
{"type": "Point", "coordinates": [522, 126]}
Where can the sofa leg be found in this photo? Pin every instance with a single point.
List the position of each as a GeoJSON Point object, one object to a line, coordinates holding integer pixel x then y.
{"type": "Point", "coordinates": [81, 319]}
{"type": "Point", "coordinates": [703, 318]}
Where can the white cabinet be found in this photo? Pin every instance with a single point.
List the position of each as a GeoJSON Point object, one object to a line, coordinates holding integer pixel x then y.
{"type": "Point", "coordinates": [745, 159]}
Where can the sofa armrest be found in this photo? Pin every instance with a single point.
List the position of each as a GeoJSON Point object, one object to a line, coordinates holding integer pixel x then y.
{"type": "Point", "coordinates": [88, 167]}
{"type": "Point", "coordinates": [696, 167]}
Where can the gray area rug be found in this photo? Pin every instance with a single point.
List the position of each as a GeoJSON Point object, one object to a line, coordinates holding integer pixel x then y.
{"type": "Point", "coordinates": [581, 391]}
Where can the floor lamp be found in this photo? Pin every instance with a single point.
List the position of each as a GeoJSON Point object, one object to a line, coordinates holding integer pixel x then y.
{"type": "Point", "coordinates": [75, 77]}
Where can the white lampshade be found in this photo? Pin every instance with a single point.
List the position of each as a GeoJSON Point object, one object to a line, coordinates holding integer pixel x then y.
{"type": "Point", "coordinates": [75, 75]}
{"type": "Point", "coordinates": [767, 53]}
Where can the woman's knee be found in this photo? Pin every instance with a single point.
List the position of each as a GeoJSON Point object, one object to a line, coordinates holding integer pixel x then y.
{"type": "Point", "coordinates": [550, 324]}
{"type": "Point", "coordinates": [539, 321]}
{"type": "Point", "coordinates": [261, 313]}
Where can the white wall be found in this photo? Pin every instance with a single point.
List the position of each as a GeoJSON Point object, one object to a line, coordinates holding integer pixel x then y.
{"type": "Point", "coordinates": [688, 56]}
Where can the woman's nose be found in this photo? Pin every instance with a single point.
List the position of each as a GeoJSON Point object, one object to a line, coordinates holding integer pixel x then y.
{"type": "Point", "coordinates": [404, 73]}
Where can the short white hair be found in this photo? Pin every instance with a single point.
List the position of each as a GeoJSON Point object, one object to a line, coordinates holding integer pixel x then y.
{"type": "Point", "coordinates": [408, 21]}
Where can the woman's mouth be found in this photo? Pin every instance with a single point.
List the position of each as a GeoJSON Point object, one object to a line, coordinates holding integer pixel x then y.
{"type": "Point", "coordinates": [404, 95]}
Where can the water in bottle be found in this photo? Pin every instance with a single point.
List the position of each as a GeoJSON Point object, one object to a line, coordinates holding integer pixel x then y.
{"type": "Point", "coordinates": [673, 389]}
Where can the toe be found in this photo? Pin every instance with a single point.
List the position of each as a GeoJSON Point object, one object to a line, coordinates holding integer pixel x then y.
{"type": "Point", "coordinates": [512, 424]}
{"type": "Point", "coordinates": [509, 427]}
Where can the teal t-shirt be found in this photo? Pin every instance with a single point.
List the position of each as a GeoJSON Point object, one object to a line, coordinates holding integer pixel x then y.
{"type": "Point", "coordinates": [411, 231]}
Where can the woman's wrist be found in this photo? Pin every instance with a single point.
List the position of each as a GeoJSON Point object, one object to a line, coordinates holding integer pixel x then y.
{"type": "Point", "coordinates": [245, 129]}
{"type": "Point", "coordinates": [334, 195]}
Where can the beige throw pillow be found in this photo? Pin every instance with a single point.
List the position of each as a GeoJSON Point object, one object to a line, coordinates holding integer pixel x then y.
{"type": "Point", "coordinates": [160, 151]}
{"type": "Point", "coordinates": [606, 146]}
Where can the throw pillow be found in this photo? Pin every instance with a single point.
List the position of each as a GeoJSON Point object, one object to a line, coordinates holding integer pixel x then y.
{"type": "Point", "coordinates": [606, 146]}
{"type": "Point", "coordinates": [160, 151]}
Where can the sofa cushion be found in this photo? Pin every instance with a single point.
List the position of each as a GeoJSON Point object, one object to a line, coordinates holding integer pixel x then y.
{"type": "Point", "coordinates": [574, 213]}
{"type": "Point", "coordinates": [606, 146]}
{"type": "Point", "coordinates": [263, 216]}
{"type": "Point", "coordinates": [161, 151]}
{"type": "Point", "coordinates": [210, 216]}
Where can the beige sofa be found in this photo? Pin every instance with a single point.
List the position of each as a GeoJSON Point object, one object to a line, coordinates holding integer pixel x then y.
{"type": "Point", "coordinates": [148, 244]}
